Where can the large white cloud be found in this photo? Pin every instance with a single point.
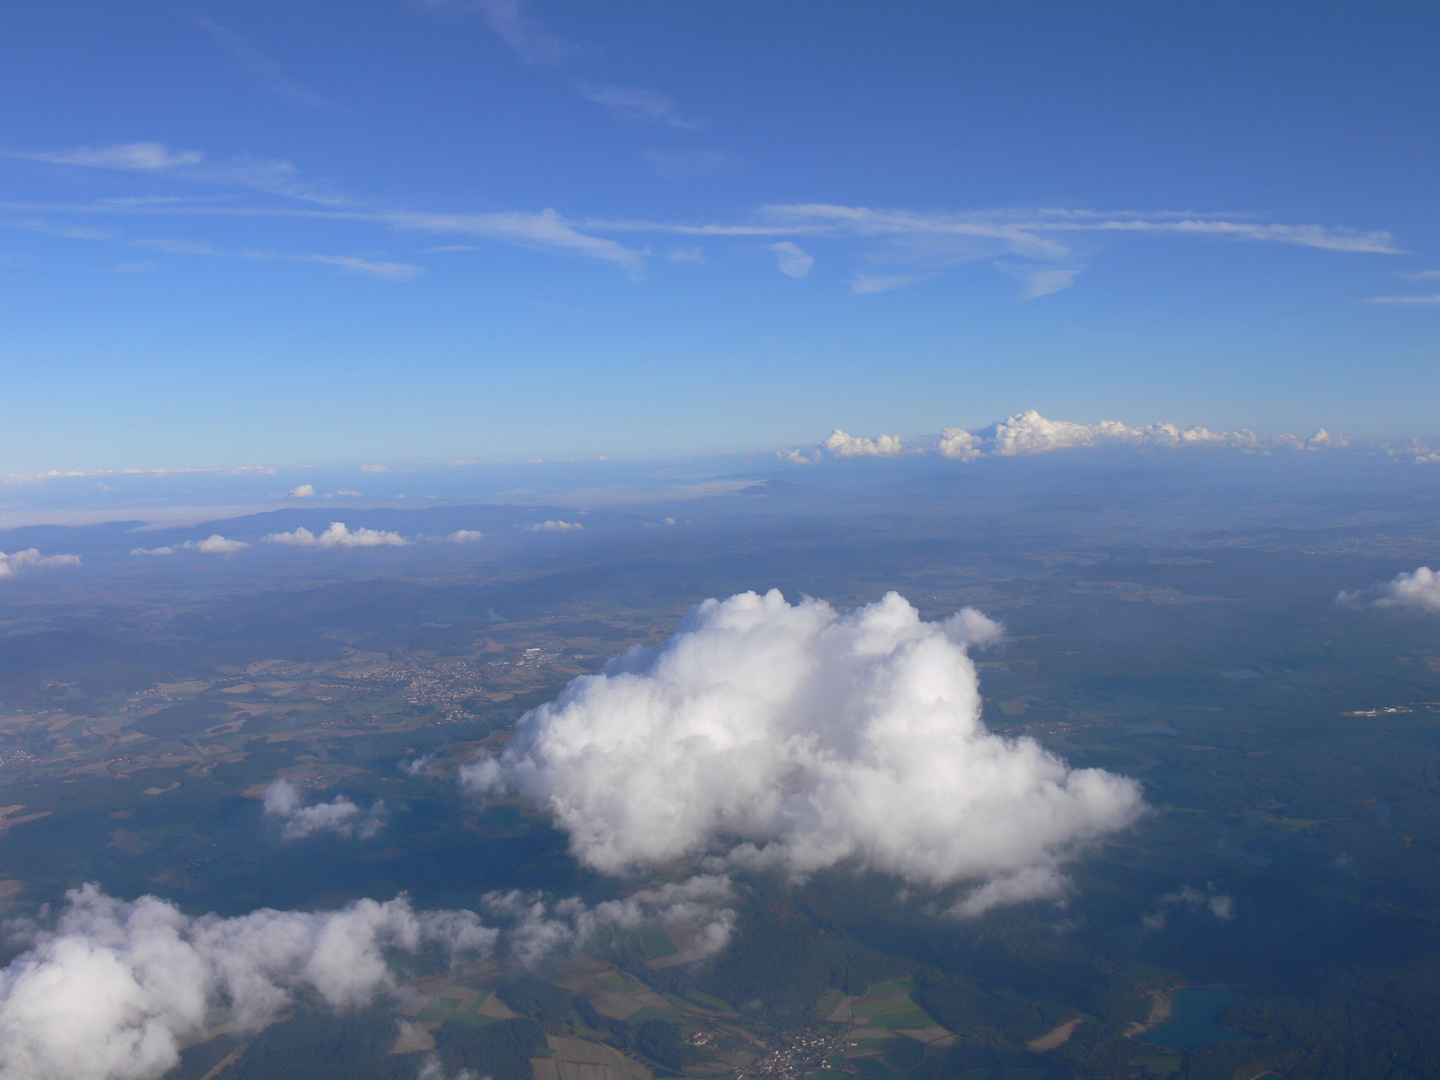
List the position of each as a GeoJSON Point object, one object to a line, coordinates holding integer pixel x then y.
{"type": "Point", "coordinates": [337, 536]}
{"type": "Point", "coordinates": [114, 988]}
{"type": "Point", "coordinates": [32, 557]}
{"type": "Point", "coordinates": [1419, 589]}
{"type": "Point", "coordinates": [340, 815]}
{"type": "Point", "coordinates": [766, 734]}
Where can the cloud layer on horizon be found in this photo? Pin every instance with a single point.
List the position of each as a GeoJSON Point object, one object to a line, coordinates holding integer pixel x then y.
{"type": "Point", "coordinates": [765, 735]}
{"type": "Point", "coordinates": [1029, 433]}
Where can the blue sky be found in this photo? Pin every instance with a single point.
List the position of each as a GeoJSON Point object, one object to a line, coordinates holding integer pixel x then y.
{"type": "Point", "coordinates": [389, 232]}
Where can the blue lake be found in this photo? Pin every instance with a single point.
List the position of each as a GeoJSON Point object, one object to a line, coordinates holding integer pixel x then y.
{"type": "Point", "coordinates": [1192, 1020]}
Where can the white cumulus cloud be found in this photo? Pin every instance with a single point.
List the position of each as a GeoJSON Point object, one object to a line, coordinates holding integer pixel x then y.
{"type": "Point", "coordinates": [1419, 589]}
{"type": "Point", "coordinates": [113, 989]}
{"type": "Point", "coordinates": [795, 737]}
{"type": "Point", "coordinates": [166, 550]}
{"type": "Point", "coordinates": [693, 912]}
{"type": "Point", "coordinates": [842, 444]}
{"type": "Point", "coordinates": [958, 444]}
{"type": "Point", "coordinates": [337, 536]}
{"type": "Point", "coordinates": [340, 815]}
{"type": "Point", "coordinates": [465, 536]}
{"type": "Point", "coordinates": [215, 544]}
{"type": "Point", "coordinates": [554, 526]}
{"type": "Point", "coordinates": [304, 491]}
{"type": "Point", "coordinates": [32, 557]}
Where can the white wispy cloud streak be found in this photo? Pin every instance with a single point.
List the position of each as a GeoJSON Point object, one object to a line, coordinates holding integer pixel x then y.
{"type": "Point", "coordinates": [1422, 300]}
{"type": "Point", "coordinates": [634, 104]}
{"type": "Point", "coordinates": [792, 258]}
{"type": "Point", "coordinates": [920, 244]}
{"type": "Point", "coordinates": [265, 70]}
{"type": "Point", "coordinates": [908, 245]}
{"type": "Point", "coordinates": [531, 43]}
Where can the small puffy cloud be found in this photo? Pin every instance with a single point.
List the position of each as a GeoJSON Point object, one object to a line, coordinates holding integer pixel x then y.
{"type": "Point", "coordinates": [793, 456]}
{"type": "Point", "coordinates": [215, 544]}
{"type": "Point", "coordinates": [166, 550]}
{"type": "Point", "coordinates": [32, 557]}
{"type": "Point", "coordinates": [792, 258]}
{"type": "Point", "coordinates": [554, 526]}
{"type": "Point", "coordinates": [465, 536]}
{"type": "Point", "coordinates": [337, 536]}
{"type": "Point", "coordinates": [343, 494]}
{"type": "Point", "coordinates": [843, 445]}
{"type": "Point", "coordinates": [693, 913]}
{"type": "Point", "coordinates": [1196, 901]}
{"type": "Point", "coordinates": [340, 816]}
{"type": "Point", "coordinates": [959, 445]}
{"type": "Point", "coordinates": [304, 491]}
{"type": "Point", "coordinates": [765, 735]}
{"type": "Point", "coordinates": [1323, 440]}
{"type": "Point", "coordinates": [1418, 590]}
{"type": "Point", "coordinates": [113, 989]}
{"type": "Point", "coordinates": [374, 468]}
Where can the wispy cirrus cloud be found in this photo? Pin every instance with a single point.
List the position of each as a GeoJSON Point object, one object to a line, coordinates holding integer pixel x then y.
{"type": "Point", "coordinates": [688, 164]}
{"type": "Point", "coordinates": [912, 245]}
{"type": "Point", "coordinates": [1404, 301]}
{"type": "Point", "coordinates": [1043, 248]}
{"type": "Point", "coordinates": [792, 259]}
{"type": "Point", "coordinates": [545, 230]}
{"type": "Point", "coordinates": [267, 176]}
{"type": "Point", "coordinates": [638, 105]}
{"type": "Point", "coordinates": [265, 70]}
{"type": "Point", "coordinates": [531, 43]}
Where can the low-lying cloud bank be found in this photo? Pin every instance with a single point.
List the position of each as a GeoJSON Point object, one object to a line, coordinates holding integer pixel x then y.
{"type": "Point", "coordinates": [32, 557]}
{"type": "Point", "coordinates": [769, 735]}
{"type": "Point", "coordinates": [1418, 590]}
{"type": "Point", "coordinates": [1030, 433]}
{"type": "Point", "coordinates": [114, 988]}
{"type": "Point", "coordinates": [340, 815]}
{"type": "Point", "coordinates": [337, 536]}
